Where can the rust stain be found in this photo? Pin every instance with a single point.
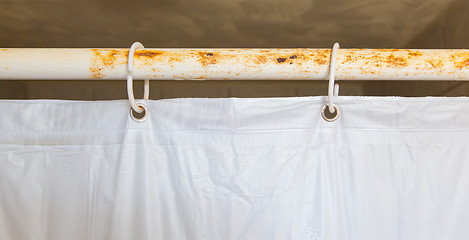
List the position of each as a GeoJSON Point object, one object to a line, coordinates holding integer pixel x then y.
{"type": "Point", "coordinates": [291, 57]}
{"type": "Point", "coordinates": [103, 59]}
{"type": "Point", "coordinates": [269, 56]}
{"type": "Point", "coordinates": [147, 56]}
{"type": "Point", "coordinates": [396, 61]}
{"type": "Point", "coordinates": [462, 64]}
{"type": "Point", "coordinates": [297, 57]}
{"type": "Point", "coordinates": [322, 57]}
{"type": "Point", "coordinates": [175, 58]}
{"type": "Point", "coordinates": [368, 61]}
{"type": "Point", "coordinates": [460, 60]}
{"type": "Point", "coordinates": [376, 58]}
{"type": "Point", "coordinates": [147, 53]}
{"type": "Point", "coordinates": [208, 58]}
{"type": "Point", "coordinates": [435, 63]}
{"type": "Point", "coordinates": [348, 58]}
{"type": "Point", "coordinates": [320, 61]}
{"type": "Point", "coordinates": [281, 59]}
{"type": "Point", "coordinates": [261, 59]}
{"type": "Point", "coordinates": [414, 53]}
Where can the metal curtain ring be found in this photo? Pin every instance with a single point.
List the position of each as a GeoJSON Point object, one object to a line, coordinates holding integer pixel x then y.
{"type": "Point", "coordinates": [139, 117]}
{"type": "Point", "coordinates": [328, 115]}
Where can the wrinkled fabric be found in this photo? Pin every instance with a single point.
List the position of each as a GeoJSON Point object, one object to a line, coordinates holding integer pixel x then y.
{"type": "Point", "coordinates": [266, 168]}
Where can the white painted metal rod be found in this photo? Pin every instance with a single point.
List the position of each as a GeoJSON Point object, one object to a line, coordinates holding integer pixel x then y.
{"type": "Point", "coordinates": [234, 64]}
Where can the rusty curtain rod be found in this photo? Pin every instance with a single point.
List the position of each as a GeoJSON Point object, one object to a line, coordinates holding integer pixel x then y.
{"type": "Point", "coordinates": [233, 64]}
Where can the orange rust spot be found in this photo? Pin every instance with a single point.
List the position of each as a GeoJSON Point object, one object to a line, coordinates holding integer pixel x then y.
{"type": "Point", "coordinates": [320, 61]}
{"type": "Point", "coordinates": [322, 58]}
{"type": "Point", "coordinates": [175, 58]}
{"type": "Point", "coordinates": [147, 53]}
{"type": "Point", "coordinates": [396, 61]}
{"type": "Point", "coordinates": [435, 63]}
{"type": "Point", "coordinates": [261, 59]}
{"type": "Point", "coordinates": [348, 58]}
{"type": "Point", "coordinates": [103, 59]}
{"type": "Point", "coordinates": [208, 58]}
{"type": "Point", "coordinates": [460, 59]}
{"type": "Point", "coordinates": [414, 53]}
{"type": "Point", "coordinates": [462, 64]}
{"type": "Point", "coordinates": [147, 56]}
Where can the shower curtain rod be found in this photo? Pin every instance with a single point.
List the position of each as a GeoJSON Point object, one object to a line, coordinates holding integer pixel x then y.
{"type": "Point", "coordinates": [233, 64]}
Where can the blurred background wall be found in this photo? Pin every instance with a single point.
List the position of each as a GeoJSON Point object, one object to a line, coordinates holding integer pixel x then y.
{"type": "Point", "coordinates": [231, 24]}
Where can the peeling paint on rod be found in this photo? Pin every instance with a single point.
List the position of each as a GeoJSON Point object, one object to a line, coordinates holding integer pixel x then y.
{"type": "Point", "coordinates": [234, 64]}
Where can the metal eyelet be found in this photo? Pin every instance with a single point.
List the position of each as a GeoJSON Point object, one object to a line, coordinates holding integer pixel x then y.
{"type": "Point", "coordinates": [327, 115]}
{"type": "Point", "coordinates": [139, 117]}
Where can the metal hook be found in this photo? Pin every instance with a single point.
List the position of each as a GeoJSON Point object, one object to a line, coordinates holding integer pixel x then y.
{"type": "Point", "coordinates": [333, 90]}
{"type": "Point", "coordinates": [130, 91]}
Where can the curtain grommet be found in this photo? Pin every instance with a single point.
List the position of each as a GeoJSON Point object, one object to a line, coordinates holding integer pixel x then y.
{"type": "Point", "coordinates": [328, 115]}
{"type": "Point", "coordinates": [139, 117]}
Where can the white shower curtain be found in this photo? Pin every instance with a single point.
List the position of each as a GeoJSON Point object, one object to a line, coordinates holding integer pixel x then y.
{"type": "Point", "coordinates": [267, 168]}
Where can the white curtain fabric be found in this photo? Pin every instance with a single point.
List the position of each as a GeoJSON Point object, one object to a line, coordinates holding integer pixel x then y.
{"type": "Point", "coordinates": [268, 168]}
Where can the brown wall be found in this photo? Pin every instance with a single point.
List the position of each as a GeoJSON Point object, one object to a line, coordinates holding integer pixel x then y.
{"type": "Point", "coordinates": [356, 25]}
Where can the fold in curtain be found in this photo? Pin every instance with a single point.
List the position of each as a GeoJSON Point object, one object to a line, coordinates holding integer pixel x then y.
{"type": "Point", "coordinates": [267, 168]}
